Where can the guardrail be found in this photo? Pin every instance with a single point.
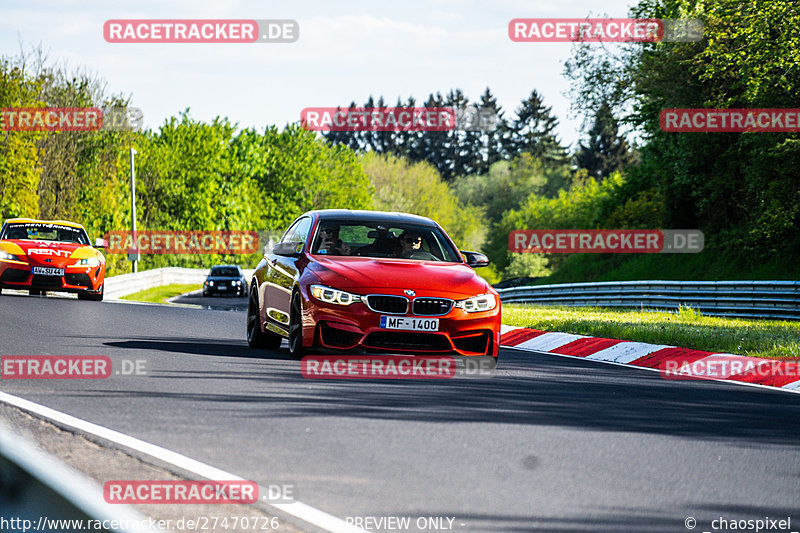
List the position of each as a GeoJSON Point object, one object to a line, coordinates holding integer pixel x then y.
{"type": "Point", "coordinates": [124, 284]}
{"type": "Point", "coordinates": [749, 299]}
{"type": "Point", "coordinates": [38, 492]}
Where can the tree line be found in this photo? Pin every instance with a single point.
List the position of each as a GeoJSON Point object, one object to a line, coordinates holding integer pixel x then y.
{"type": "Point", "coordinates": [741, 189]}
{"type": "Point", "coordinates": [472, 148]}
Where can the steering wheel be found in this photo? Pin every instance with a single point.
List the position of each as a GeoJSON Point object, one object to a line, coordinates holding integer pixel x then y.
{"type": "Point", "coordinates": [422, 255]}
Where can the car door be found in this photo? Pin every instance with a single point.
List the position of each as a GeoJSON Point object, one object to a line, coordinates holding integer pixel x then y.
{"type": "Point", "coordinates": [282, 271]}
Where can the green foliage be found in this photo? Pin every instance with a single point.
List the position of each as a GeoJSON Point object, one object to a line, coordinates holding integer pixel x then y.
{"type": "Point", "coordinates": [162, 293]}
{"type": "Point", "coordinates": [708, 265]}
{"type": "Point", "coordinates": [579, 208]}
{"type": "Point", "coordinates": [482, 136]}
{"type": "Point", "coordinates": [527, 265]}
{"type": "Point", "coordinates": [489, 274]}
{"type": "Point", "coordinates": [533, 131]}
{"type": "Point", "coordinates": [417, 188]}
{"type": "Point", "coordinates": [191, 175]}
{"type": "Point", "coordinates": [606, 151]}
{"type": "Point", "coordinates": [741, 189]}
{"type": "Point", "coordinates": [19, 176]}
{"type": "Point", "coordinates": [687, 313]}
{"type": "Point", "coordinates": [301, 172]}
{"type": "Point", "coordinates": [198, 176]}
{"type": "Point", "coordinates": [509, 183]}
{"type": "Point", "coordinates": [19, 164]}
{"type": "Point", "coordinates": [642, 210]}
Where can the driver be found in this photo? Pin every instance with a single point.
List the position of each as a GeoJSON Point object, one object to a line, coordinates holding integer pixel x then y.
{"type": "Point", "coordinates": [331, 243]}
{"type": "Point", "coordinates": [410, 242]}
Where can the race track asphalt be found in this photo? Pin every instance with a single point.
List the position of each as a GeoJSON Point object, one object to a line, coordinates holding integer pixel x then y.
{"type": "Point", "coordinates": [547, 444]}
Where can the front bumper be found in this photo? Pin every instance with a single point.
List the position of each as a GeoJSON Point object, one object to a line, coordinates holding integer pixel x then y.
{"type": "Point", "coordinates": [75, 279]}
{"type": "Point", "coordinates": [238, 290]}
{"type": "Point", "coordinates": [356, 328]}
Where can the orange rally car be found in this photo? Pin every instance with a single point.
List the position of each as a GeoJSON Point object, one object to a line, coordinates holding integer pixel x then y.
{"type": "Point", "coordinates": [51, 255]}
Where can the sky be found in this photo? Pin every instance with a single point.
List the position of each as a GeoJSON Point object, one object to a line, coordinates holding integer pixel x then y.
{"type": "Point", "coordinates": [347, 51]}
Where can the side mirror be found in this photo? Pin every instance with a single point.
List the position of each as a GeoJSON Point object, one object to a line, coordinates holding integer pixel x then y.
{"type": "Point", "coordinates": [475, 259]}
{"type": "Point", "coordinates": [100, 243]}
{"type": "Point", "coordinates": [288, 249]}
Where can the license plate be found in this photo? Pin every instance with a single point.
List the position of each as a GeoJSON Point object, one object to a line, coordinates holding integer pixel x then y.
{"type": "Point", "coordinates": [47, 271]}
{"type": "Point", "coordinates": [410, 323]}
{"type": "Point", "coordinates": [223, 286]}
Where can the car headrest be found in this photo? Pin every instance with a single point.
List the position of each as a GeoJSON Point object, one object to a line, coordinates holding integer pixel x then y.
{"type": "Point", "coordinates": [381, 234]}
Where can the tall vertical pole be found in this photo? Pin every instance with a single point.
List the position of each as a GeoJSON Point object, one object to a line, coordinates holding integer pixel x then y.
{"type": "Point", "coordinates": [133, 207]}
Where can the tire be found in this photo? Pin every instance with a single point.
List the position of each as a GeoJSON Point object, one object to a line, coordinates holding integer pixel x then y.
{"type": "Point", "coordinates": [93, 297]}
{"type": "Point", "coordinates": [256, 338]}
{"type": "Point", "coordinates": [296, 348]}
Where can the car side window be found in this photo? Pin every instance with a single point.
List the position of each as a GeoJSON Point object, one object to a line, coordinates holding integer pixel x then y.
{"type": "Point", "coordinates": [303, 227]}
{"type": "Point", "coordinates": [289, 235]}
{"type": "Point", "coordinates": [298, 232]}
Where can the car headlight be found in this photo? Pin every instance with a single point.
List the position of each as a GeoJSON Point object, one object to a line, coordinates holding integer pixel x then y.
{"type": "Point", "coordinates": [483, 302]}
{"type": "Point", "coordinates": [333, 296]}
{"type": "Point", "coordinates": [236, 283]}
{"type": "Point", "coordinates": [210, 283]}
{"type": "Point", "coordinates": [9, 257]}
{"type": "Point", "coordinates": [89, 262]}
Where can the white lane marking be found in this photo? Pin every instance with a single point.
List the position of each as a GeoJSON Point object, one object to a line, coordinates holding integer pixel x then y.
{"type": "Point", "coordinates": [73, 486]}
{"type": "Point", "coordinates": [625, 352]}
{"type": "Point", "coordinates": [300, 510]}
{"type": "Point", "coordinates": [794, 386]}
{"type": "Point", "coordinates": [748, 364]}
{"type": "Point", "coordinates": [506, 329]}
{"type": "Point", "coordinates": [549, 341]}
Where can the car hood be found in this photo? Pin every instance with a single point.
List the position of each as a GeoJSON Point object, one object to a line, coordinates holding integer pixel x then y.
{"type": "Point", "coordinates": [224, 278]}
{"type": "Point", "coordinates": [60, 254]}
{"type": "Point", "coordinates": [363, 275]}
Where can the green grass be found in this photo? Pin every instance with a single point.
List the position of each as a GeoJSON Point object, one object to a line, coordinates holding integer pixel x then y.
{"type": "Point", "coordinates": [708, 265]}
{"type": "Point", "coordinates": [161, 294]}
{"type": "Point", "coordinates": [687, 329]}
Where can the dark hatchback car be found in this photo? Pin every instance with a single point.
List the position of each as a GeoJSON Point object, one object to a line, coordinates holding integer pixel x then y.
{"type": "Point", "coordinates": [225, 279]}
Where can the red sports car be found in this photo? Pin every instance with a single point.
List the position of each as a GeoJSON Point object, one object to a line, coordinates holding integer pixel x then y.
{"type": "Point", "coordinates": [372, 282]}
{"type": "Point", "coordinates": [42, 255]}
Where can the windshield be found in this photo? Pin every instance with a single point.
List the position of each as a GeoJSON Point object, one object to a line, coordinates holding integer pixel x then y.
{"type": "Point", "coordinates": [373, 239]}
{"type": "Point", "coordinates": [225, 272]}
{"type": "Point", "coordinates": [37, 231]}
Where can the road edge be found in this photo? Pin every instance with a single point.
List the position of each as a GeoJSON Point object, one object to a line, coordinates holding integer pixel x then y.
{"type": "Point", "coordinates": [671, 362]}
